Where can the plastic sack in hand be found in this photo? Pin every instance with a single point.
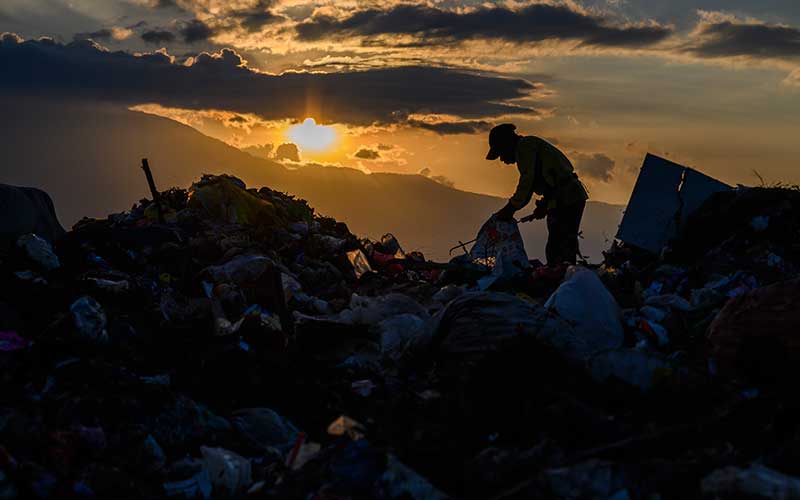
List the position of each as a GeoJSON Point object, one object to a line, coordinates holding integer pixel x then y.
{"type": "Point", "coordinates": [499, 246]}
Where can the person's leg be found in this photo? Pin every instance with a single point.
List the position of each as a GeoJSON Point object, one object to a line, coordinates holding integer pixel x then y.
{"type": "Point", "coordinates": [563, 226]}
{"type": "Point", "coordinates": [554, 237]}
{"type": "Point", "coordinates": [572, 227]}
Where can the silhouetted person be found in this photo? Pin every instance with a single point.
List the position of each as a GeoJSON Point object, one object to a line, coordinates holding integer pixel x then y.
{"type": "Point", "coordinates": [546, 171]}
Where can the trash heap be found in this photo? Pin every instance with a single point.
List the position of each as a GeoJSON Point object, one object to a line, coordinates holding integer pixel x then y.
{"type": "Point", "coordinates": [230, 343]}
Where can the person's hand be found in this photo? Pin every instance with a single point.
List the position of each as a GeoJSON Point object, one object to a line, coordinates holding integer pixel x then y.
{"type": "Point", "coordinates": [505, 214]}
{"type": "Point", "coordinates": [539, 213]}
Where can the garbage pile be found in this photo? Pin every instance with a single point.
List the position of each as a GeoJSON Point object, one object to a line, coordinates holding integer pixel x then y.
{"type": "Point", "coordinates": [229, 342]}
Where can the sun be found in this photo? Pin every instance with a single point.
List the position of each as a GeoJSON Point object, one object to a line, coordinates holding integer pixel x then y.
{"type": "Point", "coordinates": [310, 136]}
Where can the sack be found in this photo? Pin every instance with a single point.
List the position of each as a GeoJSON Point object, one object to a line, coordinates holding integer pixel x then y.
{"type": "Point", "coordinates": [499, 246]}
{"type": "Point", "coordinates": [481, 322]}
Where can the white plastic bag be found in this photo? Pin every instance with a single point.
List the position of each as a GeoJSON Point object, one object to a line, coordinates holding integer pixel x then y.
{"type": "Point", "coordinates": [499, 246]}
{"type": "Point", "coordinates": [584, 302]}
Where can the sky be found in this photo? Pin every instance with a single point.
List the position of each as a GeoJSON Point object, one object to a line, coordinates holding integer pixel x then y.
{"type": "Point", "coordinates": [414, 87]}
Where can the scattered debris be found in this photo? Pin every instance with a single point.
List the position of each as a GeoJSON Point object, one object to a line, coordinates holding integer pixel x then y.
{"type": "Point", "coordinates": [232, 342]}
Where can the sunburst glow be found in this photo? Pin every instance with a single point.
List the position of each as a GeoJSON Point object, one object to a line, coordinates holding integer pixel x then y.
{"type": "Point", "coordinates": [310, 136]}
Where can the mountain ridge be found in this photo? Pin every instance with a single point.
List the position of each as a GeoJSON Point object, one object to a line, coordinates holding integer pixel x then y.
{"type": "Point", "coordinates": [84, 148]}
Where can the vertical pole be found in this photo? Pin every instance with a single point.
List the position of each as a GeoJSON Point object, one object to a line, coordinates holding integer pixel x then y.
{"type": "Point", "coordinates": [153, 191]}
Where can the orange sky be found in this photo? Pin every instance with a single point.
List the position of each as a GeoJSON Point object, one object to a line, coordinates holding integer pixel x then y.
{"type": "Point", "coordinates": [711, 84]}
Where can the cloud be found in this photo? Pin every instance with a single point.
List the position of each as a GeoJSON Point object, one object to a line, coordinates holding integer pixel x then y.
{"type": "Point", "coordinates": [367, 154]}
{"type": "Point", "coordinates": [196, 31]}
{"type": "Point", "coordinates": [175, 5]}
{"type": "Point", "coordinates": [260, 150]}
{"type": "Point", "coordinates": [441, 179]}
{"type": "Point", "coordinates": [216, 18]}
{"type": "Point", "coordinates": [717, 36]}
{"type": "Point", "coordinates": [595, 166]}
{"type": "Point", "coordinates": [256, 17]}
{"type": "Point", "coordinates": [532, 23]}
{"type": "Point", "coordinates": [105, 34]}
{"type": "Point", "coordinates": [793, 80]}
{"type": "Point", "coordinates": [361, 98]}
{"type": "Point", "coordinates": [158, 36]}
{"type": "Point", "coordinates": [385, 154]}
{"type": "Point", "coordinates": [100, 35]}
{"type": "Point", "coordinates": [163, 4]}
{"type": "Point", "coordinates": [287, 151]}
{"type": "Point", "coordinates": [10, 39]}
{"type": "Point", "coordinates": [452, 127]}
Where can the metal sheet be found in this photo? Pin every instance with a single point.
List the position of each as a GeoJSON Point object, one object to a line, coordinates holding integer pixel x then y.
{"type": "Point", "coordinates": [697, 187]}
{"type": "Point", "coordinates": [664, 196]}
{"type": "Point", "coordinates": [650, 218]}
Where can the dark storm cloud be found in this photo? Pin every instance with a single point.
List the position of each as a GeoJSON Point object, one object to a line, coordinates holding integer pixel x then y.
{"type": "Point", "coordinates": [158, 36]}
{"type": "Point", "coordinates": [102, 34]}
{"type": "Point", "coordinates": [367, 154]}
{"type": "Point", "coordinates": [729, 39]}
{"type": "Point", "coordinates": [222, 81]}
{"type": "Point", "coordinates": [451, 128]}
{"type": "Point", "coordinates": [196, 31]}
{"type": "Point", "coordinates": [533, 23]}
{"type": "Point", "coordinates": [596, 166]}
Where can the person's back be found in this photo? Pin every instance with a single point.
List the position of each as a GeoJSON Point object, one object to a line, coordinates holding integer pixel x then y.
{"type": "Point", "coordinates": [557, 172]}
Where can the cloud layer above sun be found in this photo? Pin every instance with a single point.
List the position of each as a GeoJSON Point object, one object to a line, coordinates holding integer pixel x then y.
{"type": "Point", "coordinates": [695, 78]}
{"type": "Point", "coordinates": [388, 96]}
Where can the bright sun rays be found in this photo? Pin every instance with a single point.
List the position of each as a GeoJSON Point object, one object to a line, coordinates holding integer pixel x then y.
{"type": "Point", "coordinates": [310, 136]}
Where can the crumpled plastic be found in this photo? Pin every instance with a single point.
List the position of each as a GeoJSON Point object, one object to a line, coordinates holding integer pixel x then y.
{"type": "Point", "coordinates": [40, 251]}
{"type": "Point", "coordinates": [90, 319]}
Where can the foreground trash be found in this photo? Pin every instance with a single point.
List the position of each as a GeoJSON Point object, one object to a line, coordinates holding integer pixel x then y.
{"type": "Point", "coordinates": [247, 347]}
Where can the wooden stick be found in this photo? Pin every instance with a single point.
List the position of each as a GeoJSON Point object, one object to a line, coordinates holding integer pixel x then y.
{"type": "Point", "coordinates": [153, 191]}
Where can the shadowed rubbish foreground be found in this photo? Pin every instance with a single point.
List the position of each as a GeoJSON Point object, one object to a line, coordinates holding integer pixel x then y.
{"type": "Point", "coordinates": [246, 347]}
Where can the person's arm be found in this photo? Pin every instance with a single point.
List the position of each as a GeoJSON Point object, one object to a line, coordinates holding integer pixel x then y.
{"type": "Point", "coordinates": [552, 178]}
{"type": "Point", "coordinates": [522, 195]}
{"type": "Point", "coordinates": [526, 162]}
{"type": "Point", "coordinates": [506, 213]}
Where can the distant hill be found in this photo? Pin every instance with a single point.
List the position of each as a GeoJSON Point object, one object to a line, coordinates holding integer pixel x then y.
{"type": "Point", "coordinates": [87, 157]}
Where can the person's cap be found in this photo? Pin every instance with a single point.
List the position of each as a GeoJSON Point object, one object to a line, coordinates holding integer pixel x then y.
{"type": "Point", "coordinates": [499, 137]}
